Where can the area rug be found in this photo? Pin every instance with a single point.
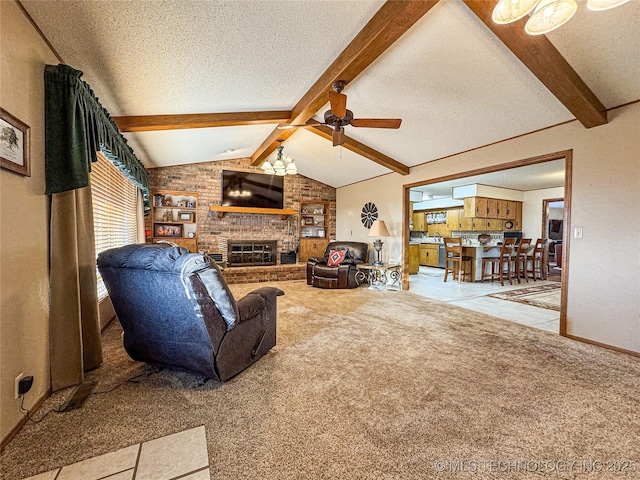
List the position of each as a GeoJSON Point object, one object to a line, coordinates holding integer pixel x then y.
{"type": "Point", "coordinates": [366, 384]}
{"type": "Point", "coordinates": [542, 296]}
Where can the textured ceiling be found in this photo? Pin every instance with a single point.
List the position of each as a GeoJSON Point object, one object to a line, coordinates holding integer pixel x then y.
{"type": "Point", "coordinates": [454, 84]}
{"type": "Point", "coordinates": [527, 178]}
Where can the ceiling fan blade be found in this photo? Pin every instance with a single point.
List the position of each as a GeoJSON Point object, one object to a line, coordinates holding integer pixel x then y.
{"type": "Point", "coordinates": [377, 122]}
{"type": "Point", "coordinates": [338, 137]}
{"type": "Point", "coordinates": [338, 103]}
{"type": "Point", "coordinates": [287, 126]}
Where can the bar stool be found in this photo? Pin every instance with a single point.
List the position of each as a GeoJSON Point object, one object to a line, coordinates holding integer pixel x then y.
{"type": "Point", "coordinates": [455, 260]}
{"type": "Point", "coordinates": [535, 261]}
{"type": "Point", "coordinates": [500, 265]}
{"type": "Point", "coordinates": [520, 259]}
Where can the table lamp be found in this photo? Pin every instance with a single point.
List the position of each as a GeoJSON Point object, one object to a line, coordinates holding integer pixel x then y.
{"type": "Point", "coordinates": [378, 229]}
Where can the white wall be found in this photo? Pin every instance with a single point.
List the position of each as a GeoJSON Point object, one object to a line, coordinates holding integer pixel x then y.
{"type": "Point", "coordinates": [603, 300]}
{"type": "Point", "coordinates": [532, 210]}
{"type": "Point", "coordinates": [24, 277]}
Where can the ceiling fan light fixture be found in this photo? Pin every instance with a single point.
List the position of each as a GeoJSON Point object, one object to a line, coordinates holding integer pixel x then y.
{"type": "Point", "coordinates": [507, 11]}
{"type": "Point", "coordinates": [599, 5]}
{"type": "Point", "coordinates": [549, 15]}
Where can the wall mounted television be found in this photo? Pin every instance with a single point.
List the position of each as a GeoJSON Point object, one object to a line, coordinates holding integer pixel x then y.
{"type": "Point", "coordinates": [251, 189]}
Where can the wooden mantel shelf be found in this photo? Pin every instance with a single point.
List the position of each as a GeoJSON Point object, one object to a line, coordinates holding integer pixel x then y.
{"type": "Point", "coordinates": [221, 209]}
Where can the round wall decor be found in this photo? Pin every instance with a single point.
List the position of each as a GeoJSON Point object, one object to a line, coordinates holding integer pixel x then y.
{"type": "Point", "coordinates": [369, 214]}
{"type": "Point", "coordinates": [508, 225]}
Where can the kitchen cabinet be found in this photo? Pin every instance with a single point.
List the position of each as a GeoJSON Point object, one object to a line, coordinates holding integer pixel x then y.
{"type": "Point", "coordinates": [414, 258]}
{"type": "Point", "coordinates": [502, 209]}
{"type": "Point", "coordinates": [475, 207]}
{"type": "Point", "coordinates": [492, 208]}
{"type": "Point", "coordinates": [453, 220]}
{"type": "Point", "coordinates": [429, 254]}
{"type": "Point", "coordinates": [466, 223]}
{"type": "Point", "coordinates": [419, 222]}
{"type": "Point", "coordinates": [517, 217]}
{"type": "Point", "coordinates": [478, 224]}
{"type": "Point", "coordinates": [495, 224]}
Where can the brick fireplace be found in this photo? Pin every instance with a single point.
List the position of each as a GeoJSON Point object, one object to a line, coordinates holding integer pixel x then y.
{"type": "Point", "coordinates": [215, 233]}
{"type": "Point", "coordinates": [247, 253]}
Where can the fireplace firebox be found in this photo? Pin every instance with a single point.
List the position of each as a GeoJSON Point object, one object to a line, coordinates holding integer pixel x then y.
{"type": "Point", "coordinates": [251, 253]}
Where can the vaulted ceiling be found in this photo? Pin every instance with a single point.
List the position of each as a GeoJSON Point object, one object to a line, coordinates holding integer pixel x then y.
{"type": "Point", "coordinates": [188, 80]}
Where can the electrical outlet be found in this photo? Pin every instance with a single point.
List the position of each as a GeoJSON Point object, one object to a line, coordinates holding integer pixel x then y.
{"type": "Point", "coordinates": [17, 389]}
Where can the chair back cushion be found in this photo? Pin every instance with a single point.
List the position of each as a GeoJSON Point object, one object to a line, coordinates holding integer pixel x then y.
{"type": "Point", "coordinates": [175, 265]}
{"type": "Point", "coordinates": [353, 250]}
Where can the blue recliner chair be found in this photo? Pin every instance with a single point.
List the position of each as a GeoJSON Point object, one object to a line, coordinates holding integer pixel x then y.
{"type": "Point", "coordinates": [177, 312]}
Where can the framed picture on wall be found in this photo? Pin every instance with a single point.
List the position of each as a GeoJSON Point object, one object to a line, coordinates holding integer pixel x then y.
{"type": "Point", "coordinates": [15, 137]}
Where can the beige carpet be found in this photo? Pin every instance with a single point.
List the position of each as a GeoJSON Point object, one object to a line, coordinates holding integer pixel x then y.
{"type": "Point", "coordinates": [367, 384]}
{"type": "Point", "coordinates": [543, 296]}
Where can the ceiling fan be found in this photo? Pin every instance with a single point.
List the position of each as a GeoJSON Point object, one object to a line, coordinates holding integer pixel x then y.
{"type": "Point", "coordinates": [338, 116]}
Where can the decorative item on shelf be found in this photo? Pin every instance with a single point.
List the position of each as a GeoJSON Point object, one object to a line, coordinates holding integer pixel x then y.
{"type": "Point", "coordinates": [369, 214]}
{"type": "Point", "coordinates": [169, 216]}
{"type": "Point", "coordinates": [318, 211]}
{"type": "Point", "coordinates": [277, 166]}
{"type": "Point", "coordinates": [378, 229]}
{"type": "Point", "coordinates": [167, 202]}
{"type": "Point", "coordinates": [164, 230]}
{"type": "Point", "coordinates": [157, 200]}
{"type": "Point", "coordinates": [191, 204]}
{"type": "Point", "coordinates": [304, 210]}
{"type": "Point", "coordinates": [185, 216]}
{"type": "Point", "coordinates": [191, 234]}
{"type": "Point", "coordinates": [181, 203]}
{"type": "Point", "coordinates": [548, 14]}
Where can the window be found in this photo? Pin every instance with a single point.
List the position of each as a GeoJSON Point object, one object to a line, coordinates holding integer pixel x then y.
{"type": "Point", "coordinates": [114, 209]}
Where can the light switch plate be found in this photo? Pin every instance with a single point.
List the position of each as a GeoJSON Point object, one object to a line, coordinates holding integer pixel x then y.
{"type": "Point", "coordinates": [577, 232]}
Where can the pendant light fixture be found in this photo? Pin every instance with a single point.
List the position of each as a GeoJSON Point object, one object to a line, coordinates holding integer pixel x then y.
{"type": "Point", "coordinates": [547, 14]}
{"type": "Point", "coordinates": [277, 166]}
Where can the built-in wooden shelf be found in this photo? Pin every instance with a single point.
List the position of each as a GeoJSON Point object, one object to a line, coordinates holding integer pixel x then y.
{"type": "Point", "coordinates": [221, 209]}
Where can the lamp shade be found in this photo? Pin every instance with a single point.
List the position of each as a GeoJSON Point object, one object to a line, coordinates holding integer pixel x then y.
{"type": "Point", "coordinates": [379, 229]}
{"type": "Point", "coordinates": [507, 11]}
{"type": "Point", "coordinates": [598, 5]}
{"type": "Point", "coordinates": [549, 15]}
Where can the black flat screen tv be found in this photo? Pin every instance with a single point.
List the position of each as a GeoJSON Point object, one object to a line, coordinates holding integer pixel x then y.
{"type": "Point", "coordinates": [250, 189]}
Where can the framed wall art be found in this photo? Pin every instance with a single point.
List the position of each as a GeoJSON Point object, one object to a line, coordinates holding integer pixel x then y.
{"type": "Point", "coordinates": [15, 139]}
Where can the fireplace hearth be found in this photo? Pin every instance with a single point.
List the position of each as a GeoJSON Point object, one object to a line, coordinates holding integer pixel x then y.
{"type": "Point", "coordinates": [249, 253]}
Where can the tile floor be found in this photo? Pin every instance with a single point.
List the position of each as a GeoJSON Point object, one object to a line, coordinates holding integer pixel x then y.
{"type": "Point", "coordinates": [181, 456]}
{"type": "Point", "coordinates": [473, 296]}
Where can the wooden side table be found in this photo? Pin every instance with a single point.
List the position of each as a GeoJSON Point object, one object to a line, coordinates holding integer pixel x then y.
{"type": "Point", "coordinates": [380, 277]}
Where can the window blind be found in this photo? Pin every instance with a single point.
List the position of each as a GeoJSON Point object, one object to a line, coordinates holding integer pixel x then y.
{"type": "Point", "coordinates": [114, 209]}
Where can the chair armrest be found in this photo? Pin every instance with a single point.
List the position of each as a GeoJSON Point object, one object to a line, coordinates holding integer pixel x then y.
{"type": "Point", "coordinates": [267, 292]}
{"type": "Point", "coordinates": [316, 260]}
{"type": "Point", "coordinates": [352, 261]}
{"type": "Point", "coordinates": [250, 305]}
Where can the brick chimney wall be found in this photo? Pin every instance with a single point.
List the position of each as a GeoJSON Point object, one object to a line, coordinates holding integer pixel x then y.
{"type": "Point", "coordinates": [213, 232]}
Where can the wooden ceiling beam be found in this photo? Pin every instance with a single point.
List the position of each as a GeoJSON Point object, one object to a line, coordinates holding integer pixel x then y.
{"type": "Point", "coordinates": [147, 123]}
{"type": "Point", "coordinates": [389, 23]}
{"type": "Point", "coordinates": [543, 60]}
{"type": "Point", "coordinates": [361, 149]}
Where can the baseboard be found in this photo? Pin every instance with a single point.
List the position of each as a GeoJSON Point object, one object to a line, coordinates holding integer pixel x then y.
{"type": "Point", "coordinates": [5, 441]}
{"type": "Point", "coordinates": [603, 345]}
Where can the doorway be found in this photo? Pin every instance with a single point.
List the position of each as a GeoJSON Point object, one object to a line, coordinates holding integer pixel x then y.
{"type": "Point", "coordinates": [566, 157]}
{"type": "Point", "coordinates": [552, 228]}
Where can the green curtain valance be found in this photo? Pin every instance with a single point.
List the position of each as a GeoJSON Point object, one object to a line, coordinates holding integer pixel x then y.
{"type": "Point", "coordinates": [76, 127]}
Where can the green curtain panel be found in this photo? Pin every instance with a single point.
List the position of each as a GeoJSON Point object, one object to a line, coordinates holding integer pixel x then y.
{"type": "Point", "coordinates": [76, 127]}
